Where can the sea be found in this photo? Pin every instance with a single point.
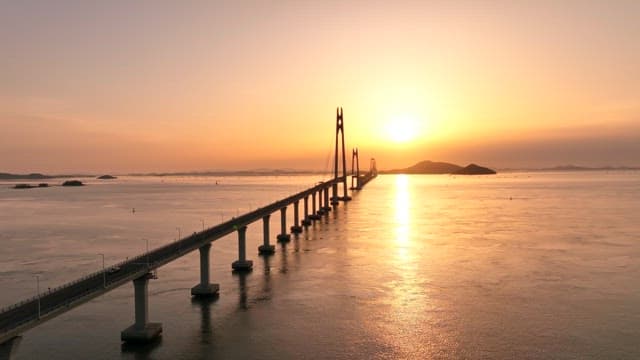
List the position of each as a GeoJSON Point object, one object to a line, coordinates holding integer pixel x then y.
{"type": "Point", "coordinates": [522, 265]}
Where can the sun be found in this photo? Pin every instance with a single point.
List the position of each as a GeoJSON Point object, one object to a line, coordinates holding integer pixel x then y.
{"type": "Point", "coordinates": [402, 129]}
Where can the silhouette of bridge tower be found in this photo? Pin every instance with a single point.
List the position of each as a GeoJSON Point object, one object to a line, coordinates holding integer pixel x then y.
{"type": "Point", "coordinates": [355, 169]}
{"type": "Point", "coordinates": [340, 136]}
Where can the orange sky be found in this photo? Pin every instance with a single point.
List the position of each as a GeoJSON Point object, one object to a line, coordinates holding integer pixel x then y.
{"type": "Point", "coordinates": [173, 86]}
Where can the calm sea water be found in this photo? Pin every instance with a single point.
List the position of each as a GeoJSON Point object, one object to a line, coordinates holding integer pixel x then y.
{"type": "Point", "coordinates": [522, 265]}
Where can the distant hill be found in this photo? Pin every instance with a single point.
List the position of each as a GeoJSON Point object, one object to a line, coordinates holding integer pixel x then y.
{"type": "Point", "coordinates": [432, 167]}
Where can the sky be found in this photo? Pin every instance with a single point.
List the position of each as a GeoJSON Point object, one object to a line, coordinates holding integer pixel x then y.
{"type": "Point", "coordinates": [141, 86]}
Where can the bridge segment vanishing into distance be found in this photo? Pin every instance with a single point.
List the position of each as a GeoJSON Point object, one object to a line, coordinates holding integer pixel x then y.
{"type": "Point", "coordinates": [20, 317]}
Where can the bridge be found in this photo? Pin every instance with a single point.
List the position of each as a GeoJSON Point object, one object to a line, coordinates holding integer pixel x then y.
{"type": "Point", "coordinates": [316, 202]}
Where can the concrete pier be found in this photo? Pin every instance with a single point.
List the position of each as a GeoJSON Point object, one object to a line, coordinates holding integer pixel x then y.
{"type": "Point", "coordinates": [326, 207]}
{"type": "Point", "coordinates": [283, 236]}
{"type": "Point", "coordinates": [306, 221]}
{"type": "Point", "coordinates": [321, 205]}
{"type": "Point", "coordinates": [266, 248]}
{"type": "Point", "coordinates": [142, 330]}
{"type": "Point", "coordinates": [334, 195]}
{"type": "Point", "coordinates": [296, 228]}
{"type": "Point", "coordinates": [313, 203]}
{"type": "Point", "coordinates": [242, 264]}
{"type": "Point", "coordinates": [321, 201]}
{"type": "Point", "coordinates": [314, 213]}
{"type": "Point", "coordinates": [205, 289]}
{"type": "Point", "coordinates": [9, 348]}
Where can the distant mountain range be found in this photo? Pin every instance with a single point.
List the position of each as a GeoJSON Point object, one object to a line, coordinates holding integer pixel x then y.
{"type": "Point", "coordinates": [423, 167]}
{"type": "Point", "coordinates": [432, 167]}
{"type": "Point", "coordinates": [34, 176]}
{"type": "Point", "coordinates": [256, 172]}
{"type": "Point", "coordinates": [575, 168]}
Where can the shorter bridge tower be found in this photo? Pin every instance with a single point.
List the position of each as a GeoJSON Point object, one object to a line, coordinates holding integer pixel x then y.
{"type": "Point", "coordinates": [355, 170]}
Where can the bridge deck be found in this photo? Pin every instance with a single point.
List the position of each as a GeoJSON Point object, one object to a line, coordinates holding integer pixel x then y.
{"type": "Point", "coordinates": [22, 316]}
{"type": "Point", "coordinates": [364, 179]}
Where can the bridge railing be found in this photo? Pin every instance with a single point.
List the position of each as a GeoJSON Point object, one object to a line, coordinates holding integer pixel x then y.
{"type": "Point", "coordinates": [133, 260]}
{"type": "Point", "coordinates": [49, 291]}
{"type": "Point", "coordinates": [35, 298]}
{"type": "Point", "coordinates": [66, 285]}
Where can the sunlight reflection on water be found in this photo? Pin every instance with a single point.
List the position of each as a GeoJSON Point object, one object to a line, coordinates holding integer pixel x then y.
{"type": "Point", "coordinates": [402, 213]}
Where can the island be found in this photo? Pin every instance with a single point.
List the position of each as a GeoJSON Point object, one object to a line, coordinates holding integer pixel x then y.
{"type": "Point", "coordinates": [106, 177]}
{"type": "Point", "coordinates": [23, 186]}
{"type": "Point", "coordinates": [72, 183]}
{"type": "Point", "coordinates": [426, 167]}
{"type": "Point", "coordinates": [30, 186]}
{"type": "Point", "coordinates": [434, 167]}
{"type": "Point", "coordinates": [473, 169]}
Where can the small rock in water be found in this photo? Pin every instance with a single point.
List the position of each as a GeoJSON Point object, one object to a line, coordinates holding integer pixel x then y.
{"type": "Point", "coordinates": [23, 186]}
{"type": "Point", "coordinates": [106, 177]}
{"type": "Point", "coordinates": [72, 183]}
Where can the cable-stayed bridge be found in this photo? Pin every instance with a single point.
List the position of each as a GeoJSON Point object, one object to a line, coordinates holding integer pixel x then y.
{"type": "Point", "coordinates": [317, 201]}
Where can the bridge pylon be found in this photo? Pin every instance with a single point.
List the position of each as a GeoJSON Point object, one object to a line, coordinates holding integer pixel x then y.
{"type": "Point", "coordinates": [340, 136]}
{"type": "Point", "coordinates": [355, 170]}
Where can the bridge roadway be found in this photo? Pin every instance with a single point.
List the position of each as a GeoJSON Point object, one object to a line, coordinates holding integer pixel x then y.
{"type": "Point", "coordinates": [364, 179]}
{"type": "Point", "coordinates": [25, 315]}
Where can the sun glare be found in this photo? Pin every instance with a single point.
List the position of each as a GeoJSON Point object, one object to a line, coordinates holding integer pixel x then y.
{"type": "Point", "coordinates": [402, 129]}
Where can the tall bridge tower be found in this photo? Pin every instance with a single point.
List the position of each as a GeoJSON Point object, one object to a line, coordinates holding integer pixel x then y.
{"type": "Point", "coordinates": [340, 136]}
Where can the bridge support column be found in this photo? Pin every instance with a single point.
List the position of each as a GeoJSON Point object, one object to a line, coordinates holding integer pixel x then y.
{"type": "Point", "coordinates": [335, 200]}
{"type": "Point", "coordinates": [326, 207]}
{"type": "Point", "coordinates": [142, 330]}
{"type": "Point", "coordinates": [283, 236]}
{"type": "Point", "coordinates": [9, 348]}
{"type": "Point", "coordinates": [266, 248]}
{"type": "Point", "coordinates": [296, 228]}
{"type": "Point", "coordinates": [314, 214]}
{"type": "Point", "coordinates": [242, 264]}
{"type": "Point", "coordinates": [306, 221]}
{"type": "Point", "coordinates": [313, 208]}
{"type": "Point", "coordinates": [205, 289]}
{"type": "Point", "coordinates": [320, 202]}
